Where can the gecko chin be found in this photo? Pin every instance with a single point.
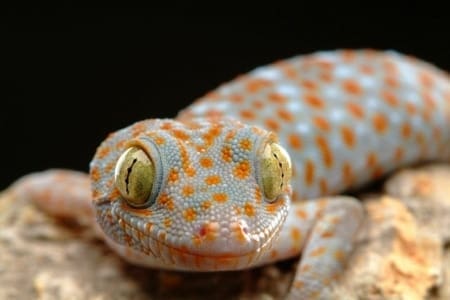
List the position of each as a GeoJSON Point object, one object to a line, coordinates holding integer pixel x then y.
{"type": "Point", "coordinates": [207, 195]}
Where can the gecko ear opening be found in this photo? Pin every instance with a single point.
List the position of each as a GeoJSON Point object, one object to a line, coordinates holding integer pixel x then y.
{"type": "Point", "coordinates": [134, 175]}
{"type": "Point", "coordinates": [275, 170]}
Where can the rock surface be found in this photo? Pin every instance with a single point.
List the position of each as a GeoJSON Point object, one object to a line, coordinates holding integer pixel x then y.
{"type": "Point", "coordinates": [400, 254]}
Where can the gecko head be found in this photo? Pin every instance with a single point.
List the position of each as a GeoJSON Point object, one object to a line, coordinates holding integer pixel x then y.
{"type": "Point", "coordinates": [203, 195]}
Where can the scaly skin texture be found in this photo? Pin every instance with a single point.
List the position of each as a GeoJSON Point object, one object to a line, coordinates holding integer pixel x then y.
{"type": "Point", "coordinates": [345, 118]}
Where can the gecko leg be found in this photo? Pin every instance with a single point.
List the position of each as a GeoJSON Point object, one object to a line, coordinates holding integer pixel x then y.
{"type": "Point", "coordinates": [322, 231]}
{"type": "Point", "coordinates": [60, 193]}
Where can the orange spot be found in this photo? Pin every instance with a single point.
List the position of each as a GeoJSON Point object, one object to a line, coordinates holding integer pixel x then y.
{"type": "Point", "coordinates": [95, 174]}
{"type": "Point", "coordinates": [187, 190]}
{"type": "Point", "coordinates": [367, 69]}
{"type": "Point", "coordinates": [298, 284]}
{"type": "Point", "coordinates": [137, 129]}
{"type": "Point", "coordinates": [352, 87]}
{"type": "Point", "coordinates": [190, 171]}
{"type": "Point", "coordinates": [242, 170]}
{"type": "Point", "coordinates": [189, 214]}
{"type": "Point", "coordinates": [247, 115]}
{"type": "Point", "coordinates": [180, 134]}
{"type": "Point", "coordinates": [255, 85]}
{"type": "Point", "coordinates": [285, 115]}
{"type": "Point", "coordinates": [347, 173]}
{"type": "Point", "coordinates": [159, 140]}
{"type": "Point", "coordinates": [245, 144]}
{"type": "Point", "coordinates": [371, 160]}
{"type": "Point", "coordinates": [173, 175]}
{"type": "Point", "coordinates": [167, 222]}
{"type": "Point", "coordinates": [258, 104]}
{"type": "Point", "coordinates": [399, 154]}
{"type": "Point", "coordinates": [212, 180]}
{"type": "Point", "coordinates": [339, 256]}
{"type": "Point", "coordinates": [206, 162]}
{"type": "Point", "coordinates": [239, 233]}
{"type": "Point", "coordinates": [406, 130]}
{"type": "Point", "coordinates": [390, 98]}
{"type": "Point", "coordinates": [323, 186]}
{"type": "Point", "coordinates": [327, 234]}
{"type": "Point", "coordinates": [294, 141]}
{"type": "Point", "coordinates": [227, 154]}
{"type": "Point", "coordinates": [321, 123]}
{"type": "Point", "coordinates": [205, 205]}
{"type": "Point", "coordinates": [355, 110]}
{"type": "Point", "coordinates": [296, 235]}
{"type": "Point", "coordinates": [308, 84]}
{"type": "Point", "coordinates": [114, 194]}
{"type": "Point", "coordinates": [258, 196]}
{"type": "Point", "coordinates": [305, 268]}
{"type": "Point", "coordinates": [348, 136]}
{"type": "Point", "coordinates": [325, 150]}
{"type": "Point", "coordinates": [348, 55]}
{"type": "Point", "coordinates": [309, 172]}
{"type": "Point", "coordinates": [377, 172]}
{"type": "Point", "coordinates": [220, 197]}
{"type": "Point", "coordinates": [426, 115]}
{"type": "Point", "coordinates": [411, 108]}
{"type": "Point", "coordinates": [166, 126]}
{"type": "Point", "coordinates": [212, 133]}
{"type": "Point", "coordinates": [426, 79]}
{"type": "Point", "coordinates": [314, 101]}
{"type": "Point", "coordinates": [391, 81]}
{"type": "Point", "coordinates": [277, 98]}
{"type": "Point", "coordinates": [272, 208]}
{"type": "Point", "coordinates": [236, 98]}
{"type": "Point", "coordinates": [271, 124]}
{"type": "Point", "coordinates": [249, 210]}
{"type": "Point", "coordinates": [166, 201]}
{"type": "Point", "coordinates": [380, 123]}
{"type": "Point", "coordinates": [120, 144]}
{"type": "Point", "coordinates": [103, 152]}
{"type": "Point", "coordinates": [319, 251]}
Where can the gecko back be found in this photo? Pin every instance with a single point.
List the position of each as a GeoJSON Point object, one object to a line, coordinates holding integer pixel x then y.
{"type": "Point", "coordinates": [345, 117]}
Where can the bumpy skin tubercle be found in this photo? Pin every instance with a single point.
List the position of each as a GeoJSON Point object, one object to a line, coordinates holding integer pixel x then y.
{"type": "Point", "coordinates": [206, 210]}
{"type": "Point", "coordinates": [343, 117]}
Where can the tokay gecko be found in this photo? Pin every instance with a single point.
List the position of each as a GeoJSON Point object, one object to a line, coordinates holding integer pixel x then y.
{"type": "Point", "coordinates": [251, 173]}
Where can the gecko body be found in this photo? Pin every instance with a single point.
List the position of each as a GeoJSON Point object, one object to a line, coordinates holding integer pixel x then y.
{"type": "Point", "coordinates": [248, 174]}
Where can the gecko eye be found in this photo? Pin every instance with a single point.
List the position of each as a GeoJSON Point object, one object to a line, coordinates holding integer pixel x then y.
{"type": "Point", "coordinates": [134, 176]}
{"type": "Point", "coordinates": [276, 170]}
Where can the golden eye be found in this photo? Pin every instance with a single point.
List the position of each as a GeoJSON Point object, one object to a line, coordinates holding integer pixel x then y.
{"type": "Point", "coordinates": [134, 176]}
{"type": "Point", "coordinates": [275, 170]}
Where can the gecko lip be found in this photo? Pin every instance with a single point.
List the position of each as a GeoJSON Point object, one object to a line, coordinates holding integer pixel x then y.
{"type": "Point", "coordinates": [177, 253]}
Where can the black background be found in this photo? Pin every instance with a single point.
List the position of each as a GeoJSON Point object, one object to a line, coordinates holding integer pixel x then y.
{"type": "Point", "coordinates": [69, 76]}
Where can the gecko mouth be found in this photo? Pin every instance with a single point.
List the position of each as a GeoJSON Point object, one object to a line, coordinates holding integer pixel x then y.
{"type": "Point", "coordinates": [164, 251]}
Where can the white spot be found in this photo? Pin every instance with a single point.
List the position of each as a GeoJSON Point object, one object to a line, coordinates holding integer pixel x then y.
{"type": "Point", "coordinates": [327, 56]}
{"type": "Point", "coordinates": [293, 106]}
{"type": "Point", "coordinates": [222, 106]}
{"type": "Point", "coordinates": [368, 82]}
{"type": "Point", "coordinates": [372, 102]}
{"type": "Point", "coordinates": [288, 90]}
{"type": "Point", "coordinates": [337, 115]}
{"type": "Point", "coordinates": [407, 74]}
{"type": "Point", "coordinates": [200, 108]}
{"type": "Point", "coordinates": [395, 117]}
{"type": "Point", "coordinates": [343, 71]}
{"type": "Point", "coordinates": [302, 127]}
{"type": "Point", "coordinates": [266, 73]}
{"type": "Point", "coordinates": [331, 92]}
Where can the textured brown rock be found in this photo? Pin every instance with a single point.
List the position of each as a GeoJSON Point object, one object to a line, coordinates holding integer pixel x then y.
{"type": "Point", "coordinates": [400, 254]}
